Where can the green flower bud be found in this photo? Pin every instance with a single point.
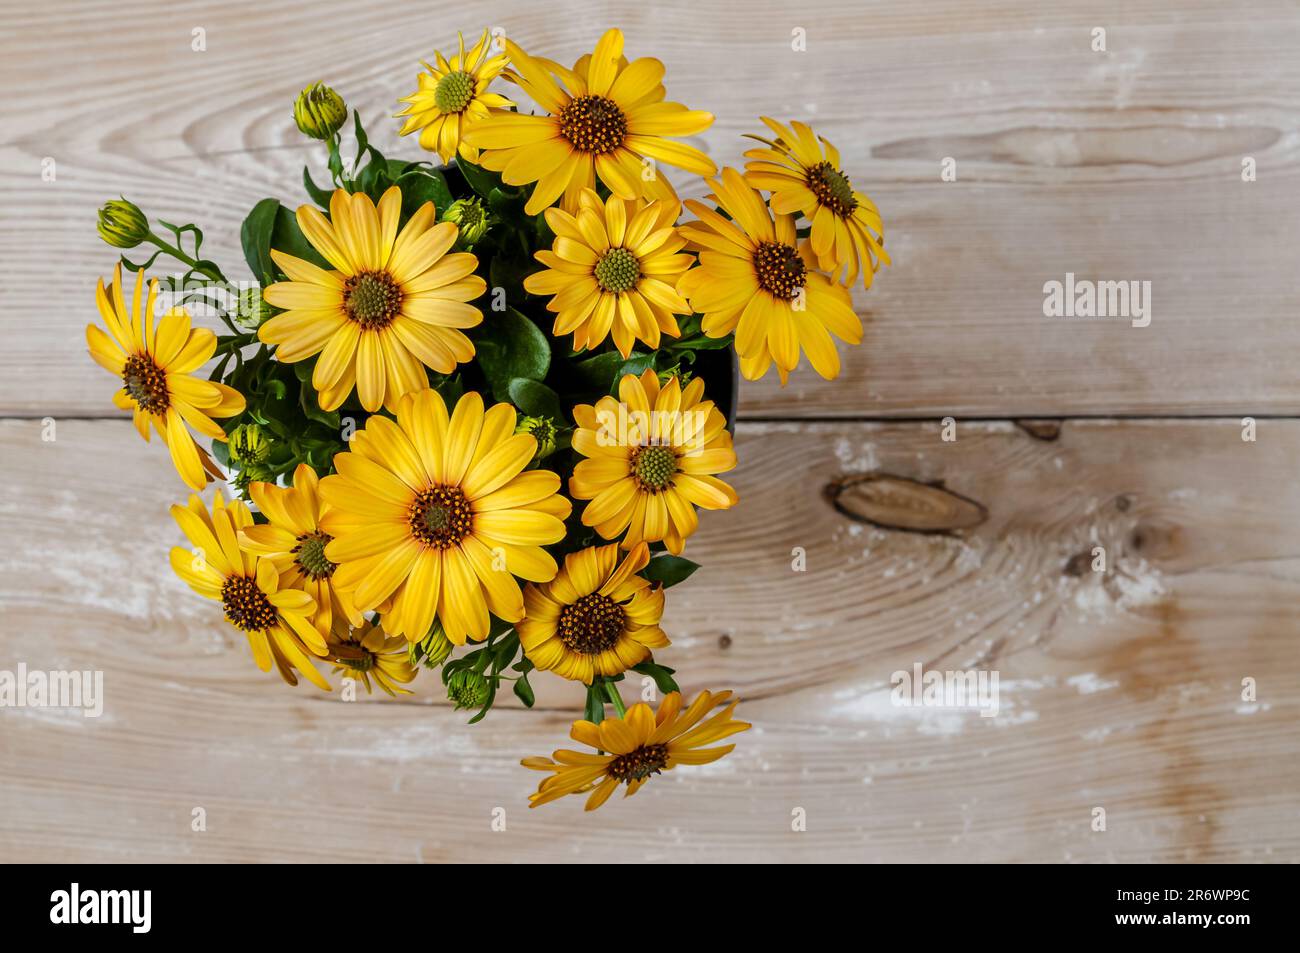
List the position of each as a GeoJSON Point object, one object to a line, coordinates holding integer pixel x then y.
{"type": "Point", "coordinates": [467, 688]}
{"type": "Point", "coordinates": [433, 649]}
{"type": "Point", "coordinates": [249, 445]}
{"type": "Point", "coordinates": [319, 111]}
{"type": "Point", "coordinates": [252, 310]}
{"type": "Point", "coordinates": [543, 430]}
{"type": "Point", "coordinates": [683, 376]}
{"type": "Point", "coordinates": [122, 224]}
{"type": "Point", "coordinates": [470, 217]}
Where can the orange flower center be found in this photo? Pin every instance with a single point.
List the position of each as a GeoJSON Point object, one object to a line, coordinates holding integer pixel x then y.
{"type": "Point", "coordinates": [832, 189]}
{"type": "Point", "coordinates": [638, 764]}
{"type": "Point", "coordinates": [591, 625]}
{"type": "Point", "coordinates": [246, 605]}
{"type": "Point", "coordinates": [146, 384]}
{"type": "Point", "coordinates": [593, 124]}
{"type": "Point", "coordinates": [372, 299]}
{"type": "Point", "coordinates": [441, 516]}
{"type": "Point", "coordinates": [781, 272]}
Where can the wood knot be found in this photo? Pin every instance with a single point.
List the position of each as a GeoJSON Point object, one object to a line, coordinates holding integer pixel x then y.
{"type": "Point", "coordinates": [900, 503]}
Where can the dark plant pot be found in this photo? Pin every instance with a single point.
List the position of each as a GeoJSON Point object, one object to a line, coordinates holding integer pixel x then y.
{"type": "Point", "coordinates": [721, 373]}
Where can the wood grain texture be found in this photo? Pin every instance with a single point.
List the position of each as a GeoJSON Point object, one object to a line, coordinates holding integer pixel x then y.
{"type": "Point", "coordinates": [1119, 689]}
{"type": "Point", "coordinates": [1113, 166]}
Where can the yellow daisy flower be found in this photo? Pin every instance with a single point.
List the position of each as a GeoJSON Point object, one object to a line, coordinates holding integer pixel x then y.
{"type": "Point", "coordinates": [652, 453]}
{"type": "Point", "coordinates": [367, 652]}
{"type": "Point", "coordinates": [613, 268]}
{"type": "Point", "coordinates": [435, 516]}
{"type": "Point", "coordinates": [596, 617]}
{"type": "Point", "coordinates": [603, 117]}
{"type": "Point", "coordinates": [155, 364]}
{"type": "Point", "coordinates": [847, 232]}
{"type": "Point", "coordinates": [452, 96]}
{"type": "Point", "coordinates": [277, 621]}
{"type": "Point", "coordinates": [295, 544]}
{"type": "Point", "coordinates": [395, 303]}
{"type": "Point", "coordinates": [632, 748]}
{"type": "Point", "coordinates": [756, 279]}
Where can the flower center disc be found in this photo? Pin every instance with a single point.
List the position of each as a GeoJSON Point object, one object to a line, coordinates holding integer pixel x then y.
{"type": "Point", "coordinates": [454, 92]}
{"type": "Point", "coordinates": [638, 764]}
{"type": "Point", "coordinates": [309, 554]}
{"type": "Point", "coordinates": [832, 189]}
{"type": "Point", "coordinates": [618, 271]}
{"type": "Point", "coordinates": [591, 625]}
{"type": "Point", "coordinates": [372, 299]}
{"type": "Point", "coordinates": [146, 384]}
{"type": "Point", "coordinates": [247, 606]}
{"type": "Point", "coordinates": [593, 124]}
{"type": "Point", "coordinates": [441, 516]}
{"type": "Point", "coordinates": [781, 272]}
{"type": "Point", "coordinates": [653, 467]}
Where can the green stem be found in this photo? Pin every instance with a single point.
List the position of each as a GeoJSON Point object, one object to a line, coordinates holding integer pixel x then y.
{"type": "Point", "coordinates": [209, 271]}
{"type": "Point", "coordinates": [615, 698]}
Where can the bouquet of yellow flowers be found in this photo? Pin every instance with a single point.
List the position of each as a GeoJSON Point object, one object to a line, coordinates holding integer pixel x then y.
{"type": "Point", "coordinates": [477, 406]}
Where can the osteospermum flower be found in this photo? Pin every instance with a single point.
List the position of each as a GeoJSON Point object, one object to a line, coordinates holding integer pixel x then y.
{"type": "Point", "coordinates": [435, 516]}
{"type": "Point", "coordinates": [395, 303]}
{"type": "Point", "coordinates": [633, 748]}
{"type": "Point", "coordinates": [367, 652]}
{"type": "Point", "coordinates": [276, 621]}
{"type": "Point", "coordinates": [603, 117]}
{"type": "Point", "coordinates": [755, 278]}
{"type": "Point", "coordinates": [294, 542]}
{"type": "Point", "coordinates": [847, 233]}
{"type": "Point", "coordinates": [155, 364]}
{"type": "Point", "coordinates": [652, 453]}
{"type": "Point", "coordinates": [596, 617]}
{"type": "Point", "coordinates": [452, 96]}
{"type": "Point", "coordinates": [612, 269]}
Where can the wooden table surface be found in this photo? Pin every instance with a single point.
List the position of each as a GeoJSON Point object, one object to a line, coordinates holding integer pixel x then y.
{"type": "Point", "coordinates": [1120, 689]}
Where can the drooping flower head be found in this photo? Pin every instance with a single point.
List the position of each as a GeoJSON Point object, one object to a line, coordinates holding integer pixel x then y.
{"type": "Point", "coordinates": [603, 117]}
{"type": "Point", "coordinates": [632, 749]}
{"type": "Point", "coordinates": [613, 270]}
{"type": "Point", "coordinates": [368, 652]}
{"type": "Point", "coordinates": [652, 455]}
{"type": "Point", "coordinates": [596, 617]}
{"type": "Point", "coordinates": [847, 233]}
{"type": "Point", "coordinates": [757, 279]}
{"type": "Point", "coordinates": [155, 364]}
{"type": "Point", "coordinates": [276, 621]}
{"type": "Point", "coordinates": [452, 96]}
{"type": "Point", "coordinates": [293, 541]}
{"type": "Point", "coordinates": [435, 515]}
{"type": "Point", "coordinates": [394, 304]}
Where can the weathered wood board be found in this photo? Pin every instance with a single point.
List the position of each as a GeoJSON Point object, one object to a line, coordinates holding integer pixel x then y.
{"type": "Point", "coordinates": [1119, 689]}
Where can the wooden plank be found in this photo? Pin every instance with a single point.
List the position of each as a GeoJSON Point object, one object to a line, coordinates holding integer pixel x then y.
{"type": "Point", "coordinates": [1119, 689]}
{"type": "Point", "coordinates": [1122, 165]}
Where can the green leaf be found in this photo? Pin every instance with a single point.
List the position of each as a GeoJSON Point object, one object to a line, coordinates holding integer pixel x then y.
{"type": "Point", "coordinates": [599, 372]}
{"type": "Point", "coordinates": [701, 342]}
{"type": "Point", "coordinates": [637, 365]}
{"type": "Point", "coordinates": [480, 180]}
{"type": "Point", "coordinates": [510, 346]}
{"type": "Point", "coordinates": [534, 398]}
{"type": "Point", "coordinates": [288, 238]}
{"type": "Point", "coordinates": [669, 570]}
{"type": "Point", "coordinates": [662, 675]}
{"type": "Point", "coordinates": [524, 691]}
{"type": "Point", "coordinates": [423, 185]}
{"type": "Point", "coordinates": [318, 195]}
{"type": "Point", "coordinates": [256, 236]}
